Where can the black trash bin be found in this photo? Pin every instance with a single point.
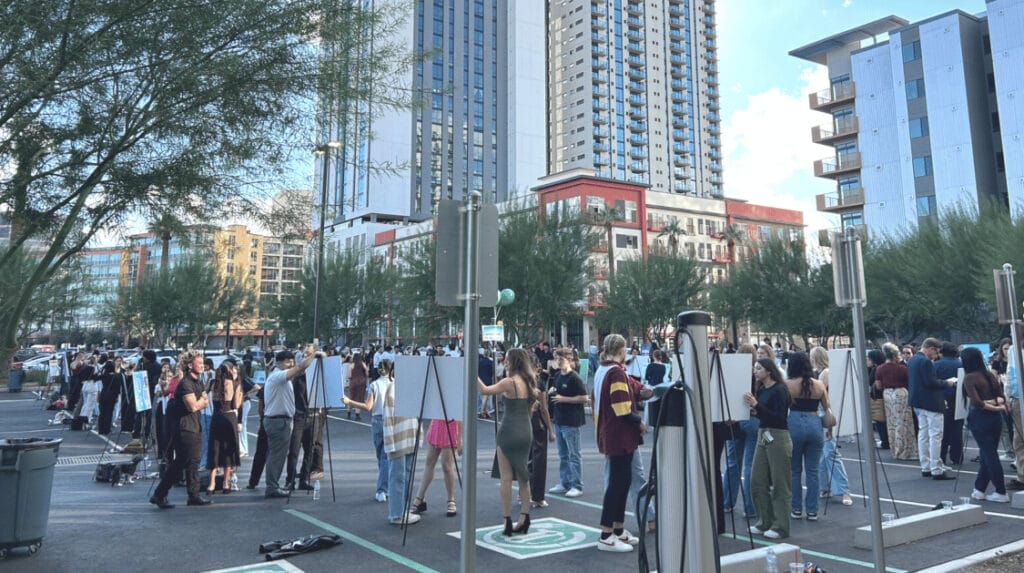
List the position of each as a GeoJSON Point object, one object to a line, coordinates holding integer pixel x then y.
{"type": "Point", "coordinates": [16, 380]}
{"type": "Point", "coordinates": [26, 480]}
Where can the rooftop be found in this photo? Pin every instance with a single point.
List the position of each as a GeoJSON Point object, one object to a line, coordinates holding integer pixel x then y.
{"type": "Point", "coordinates": [817, 51]}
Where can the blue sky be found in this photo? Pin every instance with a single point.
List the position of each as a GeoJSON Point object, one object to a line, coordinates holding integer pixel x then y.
{"type": "Point", "coordinates": [766, 131]}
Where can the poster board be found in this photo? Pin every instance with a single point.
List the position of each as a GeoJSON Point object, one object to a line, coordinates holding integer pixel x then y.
{"type": "Point", "coordinates": [140, 387]}
{"type": "Point", "coordinates": [334, 381]}
{"type": "Point", "coordinates": [638, 366]}
{"type": "Point", "coordinates": [727, 402]}
{"type": "Point", "coordinates": [493, 332]}
{"type": "Point", "coordinates": [961, 401]}
{"type": "Point", "coordinates": [411, 373]}
{"type": "Point", "coordinates": [846, 392]}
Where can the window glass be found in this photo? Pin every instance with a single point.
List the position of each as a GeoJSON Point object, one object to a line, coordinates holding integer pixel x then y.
{"type": "Point", "coordinates": [918, 127]}
{"type": "Point", "coordinates": [911, 51]}
{"type": "Point", "coordinates": [923, 166]}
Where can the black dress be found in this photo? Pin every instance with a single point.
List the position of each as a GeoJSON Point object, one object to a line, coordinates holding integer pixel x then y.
{"type": "Point", "coordinates": [223, 446]}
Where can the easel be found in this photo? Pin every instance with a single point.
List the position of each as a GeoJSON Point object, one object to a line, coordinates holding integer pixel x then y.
{"type": "Point", "coordinates": [827, 484]}
{"type": "Point", "coordinates": [726, 414]}
{"type": "Point", "coordinates": [319, 393]}
{"type": "Point", "coordinates": [411, 481]}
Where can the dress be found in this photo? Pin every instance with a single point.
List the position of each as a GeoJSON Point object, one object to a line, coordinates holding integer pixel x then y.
{"type": "Point", "coordinates": [223, 445]}
{"type": "Point", "coordinates": [437, 434]}
{"type": "Point", "coordinates": [515, 435]}
{"type": "Point", "coordinates": [357, 385]}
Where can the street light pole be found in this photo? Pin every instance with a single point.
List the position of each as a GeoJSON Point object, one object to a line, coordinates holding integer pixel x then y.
{"type": "Point", "coordinates": [324, 152]}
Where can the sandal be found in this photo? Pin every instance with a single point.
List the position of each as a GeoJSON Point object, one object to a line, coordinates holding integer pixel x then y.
{"type": "Point", "coordinates": [451, 508]}
{"type": "Point", "coordinates": [418, 506]}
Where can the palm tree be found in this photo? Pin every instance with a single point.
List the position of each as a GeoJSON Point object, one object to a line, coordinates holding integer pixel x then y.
{"type": "Point", "coordinates": [733, 236]}
{"type": "Point", "coordinates": [607, 217]}
{"type": "Point", "coordinates": [166, 226]}
{"type": "Point", "coordinates": [673, 230]}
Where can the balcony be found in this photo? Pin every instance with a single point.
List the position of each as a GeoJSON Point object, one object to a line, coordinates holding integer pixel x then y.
{"type": "Point", "coordinates": [825, 235]}
{"type": "Point", "coordinates": [676, 34]}
{"type": "Point", "coordinates": [825, 100]}
{"type": "Point", "coordinates": [840, 200]}
{"type": "Point", "coordinates": [637, 100]}
{"type": "Point", "coordinates": [598, 24]}
{"type": "Point", "coordinates": [599, 91]}
{"type": "Point", "coordinates": [678, 72]}
{"type": "Point", "coordinates": [714, 128]}
{"type": "Point", "coordinates": [712, 79]}
{"type": "Point", "coordinates": [599, 64]}
{"type": "Point", "coordinates": [637, 126]}
{"type": "Point", "coordinates": [638, 154]}
{"type": "Point", "coordinates": [678, 85]}
{"type": "Point", "coordinates": [637, 113]}
{"type": "Point", "coordinates": [710, 32]}
{"type": "Point", "coordinates": [635, 47]}
{"type": "Point", "coordinates": [833, 167]}
{"type": "Point", "coordinates": [637, 87]}
{"type": "Point", "coordinates": [600, 132]}
{"type": "Point", "coordinates": [715, 166]}
{"type": "Point", "coordinates": [634, 9]}
{"type": "Point", "coordinates": [683, 161]}
{"type": "Point", "coordinates": [678, 108]}
{"type": "Point", "coordinates": [635, 61]}
{"type": "Point", "coordinates": [637, 139]}
{"type": "Point", "coordinates": [676, 10]}
{"type": "Point", "coordinates": [600, 160]}
{"type": "Point", "coordinates": [598, 38]}
{"type": "Point", "coordinates": [682, 187]}
{"type": "Point", "coordinates": [635, 22]}
{"type": "Point", "coordinates": [600, 105]}
{"type": "Point", "coordinates": [599, 78]}
{"type": "Point", "coordinates": [638, 167]}
{"type": "Point", "coordinates": [827, 134]}
{"type": "Point", "coordinates": [601, 147]}
{"type": "Point", "coordinates": [600, 119]}
{"type": "Point", "coordinates": [676, 47]}
{"type": "Point", "coordinates": [679, 122]}
{"type": "Point", "coordinates": [715, 179]}
{"type": "Point", "coordinates": [680, 173]}
{"type": "Point", "coordinates": [599, 51]}
{"type": "Point", "coordinates": [637, 74]}
{"type": "Point", "coordinates": [714, 105]}
{"type": "Point", "coordinates": [677, 22]}
{"type": "Point", "coordinates": [709, 8]}
{"type": "Point", "coordinates": [711, 56]}
{"type": "Point", "coordinates": [598, 10]}
{"type": "Point", "coordinates": [635, 35]}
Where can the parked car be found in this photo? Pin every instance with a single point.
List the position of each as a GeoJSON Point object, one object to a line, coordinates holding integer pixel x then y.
{"type": "Point", "coordinates": [38, 362]}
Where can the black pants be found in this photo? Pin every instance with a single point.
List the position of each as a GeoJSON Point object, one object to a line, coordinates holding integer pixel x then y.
{"type": "Point", "coordinates": [620, 475]}
{"type": "Point", "coordinates": [539, 459]}
{"type": "Point", "coordinates": [298, 427]}
{"type": "Point", "coordinates": [883, 433]}
{"type": "Point", "coordinates": [312, 444]}
{"type": "Point", "coordinates": [259, 459]}
{"type": "Point", "coordinates": [161, 432]}
{"type": "Point", "coordinates": [188, 448]}
{"type": "Point", "coordinates": [143, 425]}
{"type": "Point", "coordinates": [106, 416]}
{"type": "Point", "coordinates": [721, 432]}
{"type": "Point", "coordinates": [74, 395]}
{"type": "Point", "coordinates": [952, 436]}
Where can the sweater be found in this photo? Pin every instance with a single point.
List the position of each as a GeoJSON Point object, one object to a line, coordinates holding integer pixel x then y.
{"type": "Point", "coordinates": [399, 432]}
{"type": "Point", "coordinates": [618, 422]}
{"type": "Point", "coordinates": [927, 392]}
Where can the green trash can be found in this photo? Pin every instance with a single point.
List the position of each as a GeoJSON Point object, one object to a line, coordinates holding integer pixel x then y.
{"type": "Point", "coordinates": [26, 480]}
{"type": "Point", "coordinates": [16, 380]}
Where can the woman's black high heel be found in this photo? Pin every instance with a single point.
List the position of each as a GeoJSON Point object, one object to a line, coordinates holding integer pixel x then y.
{"type": "Point", "coordinates": [508, 527]}
{"type": "Point", "coordinates": [418, 506]}
{"type": "Point", "coordinates": [524, 525]}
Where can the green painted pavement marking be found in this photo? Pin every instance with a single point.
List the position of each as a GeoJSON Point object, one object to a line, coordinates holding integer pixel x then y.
{"type": "Point", "coordinates": [281, 566]}
{"type": "Point", "coordinates": [829, 556]}
{"type": "Point", "coordinates": [386, 553]}
{"type": "Point", "coordinates": [547, 536]}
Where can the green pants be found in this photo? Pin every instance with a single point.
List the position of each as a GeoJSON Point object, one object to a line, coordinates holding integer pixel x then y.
{"type": "Point", "coordinates": [770, 481]}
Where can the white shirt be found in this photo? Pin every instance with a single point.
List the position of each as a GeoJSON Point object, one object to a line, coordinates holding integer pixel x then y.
{"type": "Point", "coordinates": [278, 395]}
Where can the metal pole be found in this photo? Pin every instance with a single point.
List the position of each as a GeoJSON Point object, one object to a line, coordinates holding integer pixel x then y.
{"type": "Point", "coordinates": [1015, 354]}
{"type": "Point", "coordinates": [324, 150]}
{"type": "Point", "coordinates": [867, 436]}
{"type": "Point", "coordinates": [470, 330]}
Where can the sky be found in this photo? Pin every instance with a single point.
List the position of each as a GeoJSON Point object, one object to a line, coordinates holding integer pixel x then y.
{"type": "Point", "coordinates": [766, 130]}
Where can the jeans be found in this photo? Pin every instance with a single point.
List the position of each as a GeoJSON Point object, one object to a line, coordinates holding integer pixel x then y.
{"type": "Point", "coordinates": [929, 440]}
{"type": "Point", "coordinates": [570, 466]}
{"type": "Point", "coordinates": [279, 435]}
{"type": "Point", "coordinates": [833, 469]}
{"type": "Point", "coordinates": [739, 455]}
{"type": "Point", "coordinates": [206, 420]}
{"type": "Point", "coordinates": [398, 478]}
{"type": "Point", "coordinates": [769, 480]}
{"type": "Point", "coordinates": [987, 428]}
{"type": "Point", "coordinates": [806, 436]}
{"type": "Point", "coordinates": [637, 481]}
{"type": "Point", "coordinates": [243, 436]}
{"type": "Point", "coordinates": [377, 431]}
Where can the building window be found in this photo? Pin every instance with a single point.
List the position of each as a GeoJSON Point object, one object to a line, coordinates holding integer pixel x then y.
{"type": "Point", "coordinates": [923, 166]}
{"type": "Point", "coordinates": [851, 219]}
{"type": "Point", "coordinates": [991, 79]}
{"type": "Point", "coordinates": [915, 89]}
{"type": "Point", "coordinates": [230, 268]}
{"type": "Point", "coordinates": [918, 127]}
{"type": "Point", "coordinates": [995, 122]}
{"type": "Point", "coordinates": [926, 206]}
{"type": "Point", "coordinates": [911, 51]}
{"type": "Point", "coordinates": [1000, 162]}
{"type": "Point", "coordinates": [626, 242]}
{"type": "Point", "coordinates": [986, 44]}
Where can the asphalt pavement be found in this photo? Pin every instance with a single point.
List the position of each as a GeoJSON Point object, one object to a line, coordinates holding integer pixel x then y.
{"type": "Point", "coordinates": [96, 527]}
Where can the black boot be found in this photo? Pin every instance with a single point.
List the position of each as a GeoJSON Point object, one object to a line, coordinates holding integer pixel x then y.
{"type": "Point", "coordinates": [524, 525]}
{"type": "Point", "coordinates": [508, 527]}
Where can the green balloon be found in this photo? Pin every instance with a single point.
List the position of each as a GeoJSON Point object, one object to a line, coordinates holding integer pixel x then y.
{"type": "Point", "coordinates": [507, 297]}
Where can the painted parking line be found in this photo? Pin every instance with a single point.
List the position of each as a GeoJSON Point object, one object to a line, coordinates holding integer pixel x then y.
{"type": "Point", "coordinates": [829, 556]}
{"type": "Point", "coordinates": [282, 566]}
{"type": "Point", "coordinates": [349, 421]}
{"type": "Point", "coordinates": [902, 466]}
{"type": "Point", "coordinates": [547, 536]}
{"type": "Point", "coordinates": [386, 553]}
{"type": "Point", "coordinates": [976, 558]}
{"type": "Point", "coordinates": [932, 506]}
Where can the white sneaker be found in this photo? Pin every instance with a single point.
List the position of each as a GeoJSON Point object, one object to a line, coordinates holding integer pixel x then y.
{"type": "Point", "coordinates": [541, 503]}
{"type": "Point", "coordinates": [754, 529]}
{"type": "Point", "coordinates": [976, 494]}
{"type": "Point", "coordinates": [573, 493]}
{"type": "Point", "coordinates": [1006, 457]}
{"type": "Point", "coordinates": [557, 489]}
{"type": "Point", "coordinates": [629, 538]}
{"type": "Point", "coordinates": [613, 544]}
{"type": "Point", "coordinates": [410, 518]}
{"type": "Point", "coordinates": [772, 534]}
{"type": "Point", "coordinates": [998, 497]}
{"type": "Point", "coordinates": [381, 497]}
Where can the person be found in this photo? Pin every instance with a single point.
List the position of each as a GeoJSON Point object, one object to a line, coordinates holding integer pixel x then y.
{"type": "Point", "coordinates": [278, 413]}
{"type": "Point", "coordinates": [400, 435]}
{"type": "Point", "coordinates": [114, 383]}
{"type": "Point", "coordinates": [805, 432]}
{"type": "Point", "coordinates": [300, 419]}
{"type": "Point", "coordinates": [1013, 422]}
{"type": "Point", "coordinates": [878, 421]}
{"type": "Point", "coordinates": [485, 369]}
{"type": "Point", "coordinates": [519, 392]}
{"type": "Point", "coordinates": [568, 399]}
{"type": "Point", "coordinates": [144, 420]}
{"type": "Point", "coordinates": [927, 398]}
{"type": "Point", "coordinates": [952, 447]}
{"type": "Point", "coordinates": [831, 464]}
{"type": "Point", "coordinates": [771, 475]}
{"type": "Point", "coordinates": [160, 408]}
{"type": "Point", "coordinates": [987, 404]}
{"type": "Point", "coordinates": [891, 379]}
{"type": "Point", "coordinates": [224, 427]}
{"type": "Point", "coordinates": [76, 367]}
{"type": "Point", "coordinates": [739, 452]}
{"type": "Point", "coordinates": [259, 459]}
{"type": "Point", "coordinates": [619, 432]}
{"type": "Point", "coordinates": [189, 399]}
{"type": "Point", "coordinates": [357, 383]}
{"type": "Point", "coordinates": [206, 416]}
{"type": "Point", "coordinates": [542, 430]}
{"type": "Point", "coordinates": [375, 405]}
{"type": "Point", "coordinates": [442, 437]}
{"type": "Point", "coordinates": [90, 394]}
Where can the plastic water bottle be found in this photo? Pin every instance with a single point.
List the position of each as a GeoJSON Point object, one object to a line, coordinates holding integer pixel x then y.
{"type": "Point", "coordinates": [316, 490]}
{"type": "Point", "coordinates": [234, 482]}
{"type": "Point", "coordinates": [771, 561]}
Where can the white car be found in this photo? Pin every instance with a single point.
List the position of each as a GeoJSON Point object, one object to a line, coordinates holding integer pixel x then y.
{"type": "Point", "coordinates": [38, 362]}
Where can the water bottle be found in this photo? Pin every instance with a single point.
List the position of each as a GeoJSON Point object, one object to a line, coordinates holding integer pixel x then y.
{"type": "Point", "coordinates": [771, 562]}
{"type": "Point", "coordinates": [234, 482]}
{"type": "Point", "coordinates": [316, 490]}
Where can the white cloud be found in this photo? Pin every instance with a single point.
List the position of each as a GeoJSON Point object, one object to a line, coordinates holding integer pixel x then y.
{"type": "Point", "coordinates": [847, 3]}
{"type": "Point", "coordinates": [768, 151]}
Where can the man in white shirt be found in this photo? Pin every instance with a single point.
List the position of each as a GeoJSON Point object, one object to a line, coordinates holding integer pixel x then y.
{"type": "Point", "coordinates": [278, 411]}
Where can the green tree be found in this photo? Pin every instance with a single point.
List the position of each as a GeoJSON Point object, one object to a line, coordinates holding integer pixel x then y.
{"type": "Point", "coordinates": [607, 217]}
{"type": "Point", "coordinates": [340, 291]}
{"type": "Point", "coordinates": [674, 231]}
{"type": "Point", "coordinates": [233, 300]}
{"type": "Point", "coordinates": [415, 290]}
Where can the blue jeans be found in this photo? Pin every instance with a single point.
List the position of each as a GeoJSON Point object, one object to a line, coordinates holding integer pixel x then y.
{"type": "Point", "coordinates": [637, 481]}
{"type": "Point", "coordinates": [570, 465]}
{"type": "Point", "coordinates": [987, 428]}
{"type": "Point", "coordinates": [833, 469]}
{"type": "Point", "coordinates": [206, 419]}
{"type": "Point", "coordinates": [805, 431]}
{"type": "Point", "coordinates": [377, 431]}
{"type": "Point", "coordinates": [398, 477]}
{"type": "Point", "coordinates": [739, 456]}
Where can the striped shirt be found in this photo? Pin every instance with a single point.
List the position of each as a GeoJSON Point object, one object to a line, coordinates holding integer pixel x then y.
{"type": "Point", "coordinates": [399, 432]}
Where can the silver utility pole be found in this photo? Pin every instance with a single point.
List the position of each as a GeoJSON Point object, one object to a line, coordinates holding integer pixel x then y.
{"type": "Point", "coordinates": [848, 274]}
{"type": "Point", "coordinates": [470, 328]}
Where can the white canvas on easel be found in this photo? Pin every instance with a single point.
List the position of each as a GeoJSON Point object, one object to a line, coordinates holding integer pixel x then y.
{"type": "Point", "coordinates": [412, 372]}
{"type": "Point", "coordinates": [736, 372]}
{"type": "Point", "coordinates": [333, 383]}
{"type": "Point", "coordinates": [141, 390]}
{"type": "Point", "coordinates": [845, 392]}
{"type": "Point", "coordinates": [961, 400]}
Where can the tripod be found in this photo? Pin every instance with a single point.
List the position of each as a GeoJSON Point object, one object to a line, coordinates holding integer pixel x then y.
{"type": "Point", "coordinates": [320, 409]}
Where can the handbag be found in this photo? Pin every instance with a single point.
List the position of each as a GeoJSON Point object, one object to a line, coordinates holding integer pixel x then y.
{"type": "Point", "coordinates": [828, 419]}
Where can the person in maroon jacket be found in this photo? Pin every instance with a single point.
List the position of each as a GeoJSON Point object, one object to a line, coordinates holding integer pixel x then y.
{"type": "Point", "coordinates": [619, 432]}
